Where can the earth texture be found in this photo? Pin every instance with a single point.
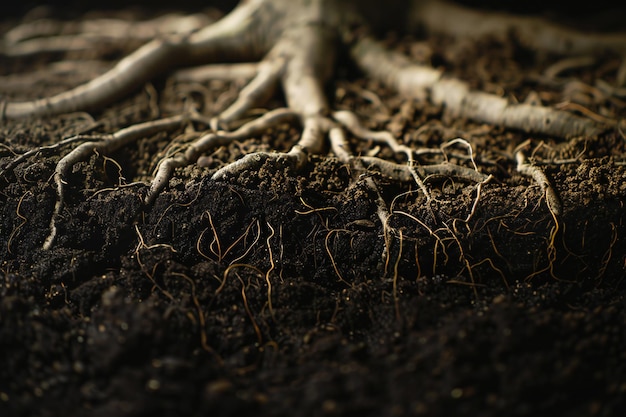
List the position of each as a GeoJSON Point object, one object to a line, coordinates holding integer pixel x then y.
{"type": "Point", "coordinates": [278, 292]}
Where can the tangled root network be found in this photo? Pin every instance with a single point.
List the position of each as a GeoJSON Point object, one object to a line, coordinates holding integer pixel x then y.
{"type": "Point", "coordinates": [294, 45]}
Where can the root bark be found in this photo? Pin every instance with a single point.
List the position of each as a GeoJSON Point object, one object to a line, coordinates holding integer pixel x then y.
{"type": "Point", "coordinates": [295, 44]}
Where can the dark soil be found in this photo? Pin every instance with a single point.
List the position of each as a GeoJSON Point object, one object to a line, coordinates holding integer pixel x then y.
{"type": "Point", "coordinates": [269, 294]}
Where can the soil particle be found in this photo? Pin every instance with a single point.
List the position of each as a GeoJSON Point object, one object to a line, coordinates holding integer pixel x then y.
{"type": "Point", "coordinates": [279, 292]}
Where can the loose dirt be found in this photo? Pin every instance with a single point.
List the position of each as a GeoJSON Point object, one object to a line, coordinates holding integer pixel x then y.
{"type": "Point", "coordinates": [277, 292]}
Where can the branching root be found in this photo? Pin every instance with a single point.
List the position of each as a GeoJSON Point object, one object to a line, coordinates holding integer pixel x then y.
{"type": "Point", "coordinates": [295, 50]}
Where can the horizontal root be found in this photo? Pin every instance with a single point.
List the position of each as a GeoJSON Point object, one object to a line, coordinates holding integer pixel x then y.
{"type": "Point", "coordinates": [212, 140]}
{"type": "Point", "coordinates": [406, 173]}
{"type": "Point", "coordinates": [48, 35]}
{"type": "Point", "coordinates": [442, 16]}
{"type": "Point", "coordinates": [420, 81]}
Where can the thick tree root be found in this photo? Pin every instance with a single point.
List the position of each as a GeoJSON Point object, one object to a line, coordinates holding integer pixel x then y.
{"type": "Point", "coordinates": [443, 16]}
{"type": "Point", "coordinates": [295, 45]}
{"type": "Point", "coordinates": [419, 81]}
{"type": "Point", "coordinates": [48, 35]}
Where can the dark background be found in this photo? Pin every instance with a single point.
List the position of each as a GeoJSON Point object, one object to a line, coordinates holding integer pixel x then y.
{"type": "Point", "coordinates": [79, 6]}
{"type": "Point", "coordinates": [567, 10]}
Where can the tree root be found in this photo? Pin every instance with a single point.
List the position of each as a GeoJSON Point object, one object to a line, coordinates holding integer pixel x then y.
{"type": "Point", "coordinates": [295, 45]}
{"type": "Point", "coordinates": [48, 35]}
{"type": "Point", "coordinates": [443, 16]}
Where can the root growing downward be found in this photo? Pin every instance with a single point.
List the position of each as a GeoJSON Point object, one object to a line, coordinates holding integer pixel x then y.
{"type": "Point", "coordinates": [293, 45]}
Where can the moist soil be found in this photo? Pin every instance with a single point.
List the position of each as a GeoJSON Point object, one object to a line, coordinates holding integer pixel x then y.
{"type": "Point", "coordinates": [278, 292]}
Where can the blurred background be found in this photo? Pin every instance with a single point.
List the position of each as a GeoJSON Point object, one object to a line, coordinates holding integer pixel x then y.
{"type": "Point", "coordinates": [596, 14]}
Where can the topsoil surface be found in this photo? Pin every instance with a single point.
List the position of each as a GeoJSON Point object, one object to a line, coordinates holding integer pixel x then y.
{"type": "Point", "coordinates": [277, 292]}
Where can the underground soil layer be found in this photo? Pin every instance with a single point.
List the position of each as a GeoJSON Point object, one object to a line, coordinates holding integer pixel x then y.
{"type": "Point", "coordinates": [278, 292]}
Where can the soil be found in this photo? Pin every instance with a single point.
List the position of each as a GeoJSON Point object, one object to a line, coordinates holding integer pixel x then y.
{"type": "Point", "coordinates": [277, 292]}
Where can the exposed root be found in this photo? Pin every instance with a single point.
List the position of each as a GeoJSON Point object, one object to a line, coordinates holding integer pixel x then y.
{"type": "Point", "coordinates": [443, 16]}
{"type": "Point", "coordinates": [418, 81]}
{"type": "Point", "coordinates": [551, 251]}
{"type": "Point", "coordinates": [211, 140]}
{"type": "Point", "coordinates": [552, 198]}
{"type": "Point", "coordinates": [201, 319]}
{"type": "Point", "coordinates": [268, 280]}
{"type": "Point", "coordinates": [292, 45]}
{"type": "Point", "coordinates": [607, 255]}
{"type": "Point", "coordinates": [253, 321]}
{"type": "Point", "coordinates": [396, 298]}
{"type": "Point", "coordinates": [104, 144]}
{"type": "Point", "coordinates": [23, 221]}
{"type": "Point", "coordinates": [48, 35]}
{"type": "Point", "coordinates": [226, 72]}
